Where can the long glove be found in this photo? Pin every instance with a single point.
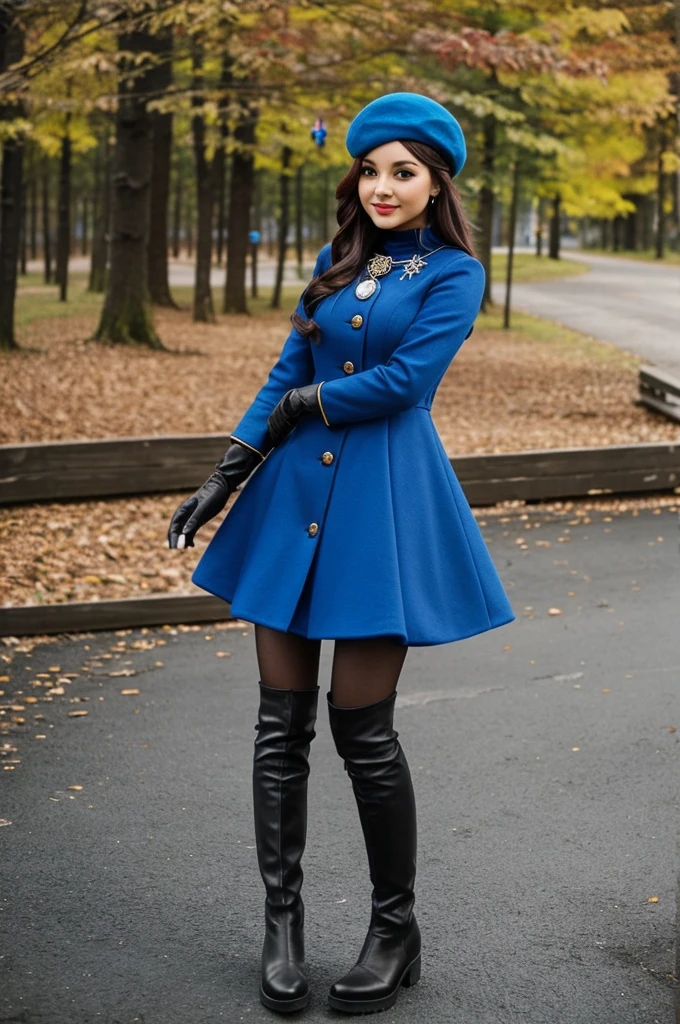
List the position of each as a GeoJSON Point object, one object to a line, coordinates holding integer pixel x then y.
{"type": "Point", "coordinates": [293, 406]}
{"type": "Point", "coordinates": [209, 500]}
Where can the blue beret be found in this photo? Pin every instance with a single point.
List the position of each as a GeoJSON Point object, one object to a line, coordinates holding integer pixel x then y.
{"type": "Point", "coordinates": [408, 116]}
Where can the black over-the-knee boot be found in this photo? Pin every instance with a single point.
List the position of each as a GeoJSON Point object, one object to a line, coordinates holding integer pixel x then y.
{"type": "Point", "coordinates": [285, 730]}
{"type": "Point", "coordinates": [366, 740]}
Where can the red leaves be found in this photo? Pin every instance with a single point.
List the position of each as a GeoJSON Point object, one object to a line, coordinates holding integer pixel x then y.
{"type": "Point", "coordinates": [504, 51]}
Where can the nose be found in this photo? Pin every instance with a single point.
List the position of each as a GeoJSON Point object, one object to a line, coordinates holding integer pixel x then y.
{"type": "Point", "coordinates": [382, 186]}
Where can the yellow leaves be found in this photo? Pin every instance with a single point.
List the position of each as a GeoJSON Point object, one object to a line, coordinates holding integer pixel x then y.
{"type": "Point", "coordinates": [77, 714]}
{"type": "Point", "coordinates": [77, 789]}
{"type": "Point", "coordinates": [555, 611]}
{"type": "Point", "coordinates": [653, 899]}
{"type": "Point", "coordinates": [130, 693]}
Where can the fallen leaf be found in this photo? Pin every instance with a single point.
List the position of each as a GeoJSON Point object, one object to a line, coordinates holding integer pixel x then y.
{"type": "Point", "coordinates": [122, 672]}
{"type": "Point", "coordinates": [77, 714]}
{"type": "Point", "coordinates": [58, 691]}
{"type": "Point", "coordinates": [77, 789]}
{"type": "Point", "coordinates": [672, 728]}
{"type": "Point", "coordinates": [130, 693]}
{"type": "Point", "coordinates": [653, 899]}
{"type": "Point", "coordinates": [554, 611]}
{"type": "Point", "coordinates": [4, 821]}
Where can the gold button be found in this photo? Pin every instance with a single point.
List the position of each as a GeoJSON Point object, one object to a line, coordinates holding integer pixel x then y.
{"type": "Point", "coordinates": [313, 529]}
{"type": "Point", "coordinates": [357, 320]}
{"type": "Point", "coordinates": [327, 458]}
{"type": "Point", "coordinates": [348, 367]}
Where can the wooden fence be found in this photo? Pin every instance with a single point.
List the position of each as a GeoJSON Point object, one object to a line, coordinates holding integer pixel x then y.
{"type": "Point", "coordinates": [104, 469]}
{"type": "Point", "coordinates": [97, 469]}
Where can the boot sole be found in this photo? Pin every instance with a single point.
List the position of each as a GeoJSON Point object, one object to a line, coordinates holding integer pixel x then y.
{"type": "Point", "coordinates": [283, 1005]}
{"type": "Point", "coordinates": [409, 978]}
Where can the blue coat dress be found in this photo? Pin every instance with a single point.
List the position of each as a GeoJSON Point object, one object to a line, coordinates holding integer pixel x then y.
{"type": "Point", "coordinates": [356, 525]}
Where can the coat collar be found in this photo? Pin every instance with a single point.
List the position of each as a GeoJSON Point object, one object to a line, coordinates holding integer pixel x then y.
{"type": "Point", "coordinates": [398, 244]}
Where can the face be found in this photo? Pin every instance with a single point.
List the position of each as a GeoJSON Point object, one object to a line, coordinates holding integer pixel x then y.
{"type": "Point", "coordinates": [395, 188]}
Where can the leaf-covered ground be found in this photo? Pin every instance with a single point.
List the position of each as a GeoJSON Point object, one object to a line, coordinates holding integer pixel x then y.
{"type": "Point", "coordinates": [537, 386]}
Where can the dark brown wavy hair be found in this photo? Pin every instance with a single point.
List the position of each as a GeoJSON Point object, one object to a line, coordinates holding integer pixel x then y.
{"type": "Point", "coordinates": [357, 237]}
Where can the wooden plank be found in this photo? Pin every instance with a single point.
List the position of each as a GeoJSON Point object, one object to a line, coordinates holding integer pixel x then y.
{"type": "Point", "coordinates": [92, 469]}
{"type": "Point", "coordinates": [83, 616]}
{"type": "Point", "coordinates": [658, 405]}
{"type": "Point", "coordinates": [112, 468]}
{"type": "Point", "coordinates": [655, 378]}
{"type": "Point", "coordinates": [564, 473]}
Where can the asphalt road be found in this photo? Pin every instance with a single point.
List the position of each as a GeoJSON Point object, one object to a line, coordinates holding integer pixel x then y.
{"type": "Point", "coordinates": [545, 766]}
{"type": "Point", "coordinates": [633, 304]}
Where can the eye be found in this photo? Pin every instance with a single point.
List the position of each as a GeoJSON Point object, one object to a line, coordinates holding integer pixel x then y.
{"type": "Point", "coordinates": [368, 169]}
{"type": "Point", "coordinates": [409, 174]}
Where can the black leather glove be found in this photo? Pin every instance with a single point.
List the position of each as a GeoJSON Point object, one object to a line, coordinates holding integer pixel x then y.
{"type": "Point", "coordinates": [295, 404]}
{"type": "Point", "coordinates": [209, 500]}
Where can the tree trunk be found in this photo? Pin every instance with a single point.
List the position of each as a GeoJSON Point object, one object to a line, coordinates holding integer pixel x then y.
{"type": "Point", "coordinates": [616, 233]}
{"type": "Point", "coordinates": [64, 215]}
{"type": "Point", "coordinates": [160, 80]}
{"type": "Point", "coordinates": [189, 230]}
{"type": "Point", "coordinates": [85, 226]}
{"type": "Point", "coordinates": [177, 214]}
{"type": "Point", "coordinates": [539, 228]}
{"type": "Point", "coordinates": [47, 240]}
{"type": "Point", "coordinates": [204, 310]}
{"type": "Point", "coordinates": [284, 221]}
{"type": "Point", "coordinates": [23, 229]}
{"type": "Point", "coordinates": [220, 167]}
{"type": "Point", "coordinates": [33, 207]}
{"type": "Point", "coordinates": [512, 226]}
{"type": "Point", "coordinates": [102, 214]}
{"type": "Point", "coordinates": [242, 171]}
{"type": "Point", "coordinates": [555, 226]}
{"type": "Point", "coordinates": [660, 199]}
{"type": "Point", "coordinates": [126, 317]}
{"type": "Point", "coordinates": [11, 50]}
{"type": "Point", "coordinates": [299, 221]}
{"type": "Point", "coordinates": [486, 201]}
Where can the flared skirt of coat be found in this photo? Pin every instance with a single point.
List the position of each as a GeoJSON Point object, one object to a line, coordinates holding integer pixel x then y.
{"type": "Point", "coordinates": [377, 540]}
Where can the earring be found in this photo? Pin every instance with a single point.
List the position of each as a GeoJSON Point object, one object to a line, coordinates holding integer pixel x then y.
{"type": "Point", "coordinates": [432, 198]}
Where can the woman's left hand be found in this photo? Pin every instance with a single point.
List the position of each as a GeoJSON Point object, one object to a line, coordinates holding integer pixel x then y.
{"type": "Point", "coordinates": [295, 404]}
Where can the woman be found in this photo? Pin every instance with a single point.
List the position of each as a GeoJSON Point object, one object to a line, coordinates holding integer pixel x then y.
{"type": "Point", "coordinates": [354, 528]}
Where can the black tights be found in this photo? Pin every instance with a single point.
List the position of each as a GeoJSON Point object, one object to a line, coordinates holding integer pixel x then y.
{"type": "Point", "coordinates": [364, 671]}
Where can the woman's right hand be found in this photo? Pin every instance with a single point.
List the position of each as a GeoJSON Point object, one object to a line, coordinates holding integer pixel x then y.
{"type": "Point", "coordinates": [209, 500]}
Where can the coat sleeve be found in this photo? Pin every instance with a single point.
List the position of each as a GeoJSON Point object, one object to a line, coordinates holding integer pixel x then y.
{"type": "Point", "coordinates": [420, 360]}
{"type": "Point", "coordinates": [293, 369]}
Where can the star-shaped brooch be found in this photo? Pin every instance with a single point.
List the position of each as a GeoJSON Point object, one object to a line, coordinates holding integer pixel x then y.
{"type": "Point", "coordinates": [414, 266]}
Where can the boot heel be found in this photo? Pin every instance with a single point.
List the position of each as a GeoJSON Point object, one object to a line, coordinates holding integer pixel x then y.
{"type": "Point", "coordinates": [412, 976]}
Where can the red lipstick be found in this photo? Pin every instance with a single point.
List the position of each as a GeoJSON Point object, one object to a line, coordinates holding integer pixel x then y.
{"type": "Point", "coordinates": [383, 208]}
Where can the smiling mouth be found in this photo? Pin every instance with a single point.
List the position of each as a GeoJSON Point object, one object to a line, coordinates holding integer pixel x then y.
{"type": "Point", "coordinates": [384, 206]}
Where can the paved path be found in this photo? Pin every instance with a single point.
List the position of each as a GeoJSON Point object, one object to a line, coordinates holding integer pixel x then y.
{"type": "Point", "coordinates": [635, 305]}
{"type": "Point", "coordinates": [546, 775]}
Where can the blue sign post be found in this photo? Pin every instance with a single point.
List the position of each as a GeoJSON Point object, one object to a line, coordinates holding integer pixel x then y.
{"type": "Point", "coordinates": [254, 237]}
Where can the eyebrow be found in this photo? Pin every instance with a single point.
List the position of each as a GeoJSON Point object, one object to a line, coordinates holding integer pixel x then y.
{"type": "Point", "coordinates": [397, 163]}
